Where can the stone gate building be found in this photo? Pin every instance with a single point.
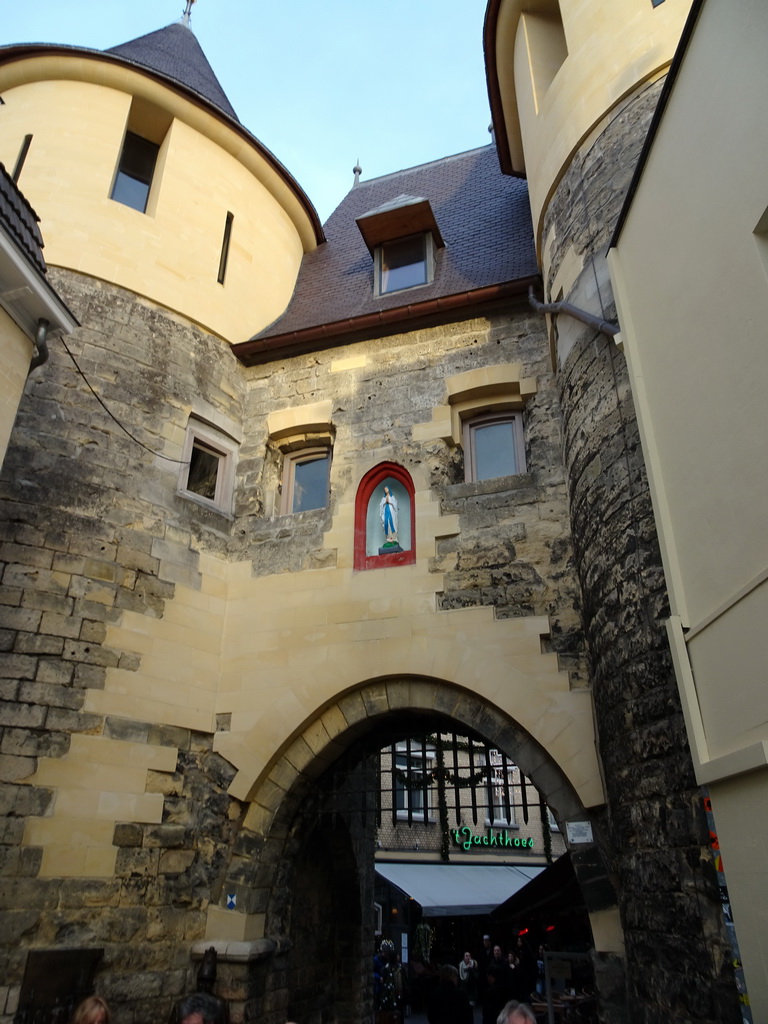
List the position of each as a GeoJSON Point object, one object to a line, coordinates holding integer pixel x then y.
{"type": "Point", "coordinates": [289, 487]}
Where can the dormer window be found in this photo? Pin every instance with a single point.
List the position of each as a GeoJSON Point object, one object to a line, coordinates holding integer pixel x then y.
{"type": "Point", "coordinates": [402, 236]}
{"type": "Point", "coordinates": [404, 263]}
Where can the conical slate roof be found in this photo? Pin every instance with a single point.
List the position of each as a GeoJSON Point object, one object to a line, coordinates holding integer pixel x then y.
{"type": "Point", "coordinates": [174, 52]}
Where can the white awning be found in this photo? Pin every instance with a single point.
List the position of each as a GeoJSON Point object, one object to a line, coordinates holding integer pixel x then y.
{"type": "Point", "coordinates": [456, 890]}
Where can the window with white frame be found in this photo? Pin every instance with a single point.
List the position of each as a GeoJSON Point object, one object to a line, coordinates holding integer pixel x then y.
{"type": "Point", "coordinates": [502, 779]}
{"type": "Point", "coordinates": [494, 446]}
{"type": "Point", "coordinates": [404, 263]}
{"type": "Point", "coordinates": [306, 476]}
{"type": "Point", "coordinates": [412, 782]}
{"type": "Point", "coordinates": [208, 467]}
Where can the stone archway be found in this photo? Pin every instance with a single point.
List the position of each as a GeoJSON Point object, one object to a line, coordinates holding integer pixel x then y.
{"type": "Point", "coordinates": [282, 890]}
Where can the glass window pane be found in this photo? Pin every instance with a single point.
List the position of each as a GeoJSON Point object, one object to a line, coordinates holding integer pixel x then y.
{"type": "Point", "coordinates": [130, 192]}
{"type": "Point", "coordinates": [494, 450]}
{"type": "Point", "coordinates": [138, 157]}
{"type": "Point", "coordinates": [403, 264]}
{"type": "Point", "coordinates": [203, 471]}
{"type": "Point", "coordinates": [134, 173]}
{"type": "Point", "coordinates": [310, 484]}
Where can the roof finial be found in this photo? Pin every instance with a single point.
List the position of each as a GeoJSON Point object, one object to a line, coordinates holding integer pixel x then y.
{"type": "Point", "coordinates": [357, 170]}
{"type": "Point", "coordinates": [187, 12]}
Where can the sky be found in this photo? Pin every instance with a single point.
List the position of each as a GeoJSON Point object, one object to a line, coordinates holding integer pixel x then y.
{"type": "Point", "coordinates": [321, 83]}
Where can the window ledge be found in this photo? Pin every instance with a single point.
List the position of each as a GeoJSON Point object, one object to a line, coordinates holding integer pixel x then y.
{"type": "Point", "coordinates": [308, 513]}
{"type": "Point", "coordinates": [517, 482]}
{"type": "Point", "coordinates": [205, 504]}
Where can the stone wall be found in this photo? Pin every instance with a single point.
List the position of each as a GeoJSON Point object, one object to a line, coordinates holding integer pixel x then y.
{"type": "Point", "coordinates": [93, 527]}
{"type": "Point", "coordinates": [676, 952]}
{"type": "Point", "coordinates": [513, 550]}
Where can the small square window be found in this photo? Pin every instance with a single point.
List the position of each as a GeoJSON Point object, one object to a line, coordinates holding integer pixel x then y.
{"type": "Point", "coordinates": [404, 263]}
{"type": "Point", "coordinates": [494, 446]}
{"type": "Point", "coordinates": [134, 172]}
{"type": "Point", "coordinates": [305, 480]}
{"type": "Point", "coordinates": [207, 472]}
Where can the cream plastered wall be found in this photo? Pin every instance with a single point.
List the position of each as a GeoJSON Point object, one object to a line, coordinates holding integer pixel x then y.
{"type": "Point", "coordinates": [206, 170]}
{"type": "Point", "coordinates": [612, 47]}
{"type": "Point", "coordinates": [15, 354]}
{"type": "Point", "coordinates": [691, 282]}
{"type": "Point", "coordinates": [275, 653]}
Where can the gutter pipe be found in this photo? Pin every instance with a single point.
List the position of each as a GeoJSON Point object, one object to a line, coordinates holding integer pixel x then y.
{"type": "Point", "coordinates": [611, 330]}
{"type": "Point", "coordinates": [41, 342]}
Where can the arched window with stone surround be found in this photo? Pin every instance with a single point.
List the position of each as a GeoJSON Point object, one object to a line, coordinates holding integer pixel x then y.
{"type": "Point", "coordinates": [385, 518]}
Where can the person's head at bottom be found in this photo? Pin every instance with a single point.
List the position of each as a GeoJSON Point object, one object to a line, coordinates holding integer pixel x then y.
{"type": "Point", "coordinates": [199, 1008]}
{"type": "Point", "coordinates": [92, 1010]}
{"type": "Point", "coordinates": [516, 1013]}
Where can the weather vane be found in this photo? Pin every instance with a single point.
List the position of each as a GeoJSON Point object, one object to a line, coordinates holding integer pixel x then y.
{"type": "Point", "coordinates": [188, 11]}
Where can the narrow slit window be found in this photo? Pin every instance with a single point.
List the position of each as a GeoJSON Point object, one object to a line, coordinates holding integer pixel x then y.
{"type": "Point", "coordinates": [21, 159]}
{"type": "Point", "coordinates": [134, 172]}
{"type": "Point", "coordinates": [225, 248]}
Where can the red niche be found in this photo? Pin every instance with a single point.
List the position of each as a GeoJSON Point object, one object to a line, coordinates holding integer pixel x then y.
{"type": "Point", "coordinates": [372, 536]}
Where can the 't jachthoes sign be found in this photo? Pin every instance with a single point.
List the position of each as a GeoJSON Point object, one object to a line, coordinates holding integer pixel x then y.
{"type": "Point", "coordinates": [464, 838]}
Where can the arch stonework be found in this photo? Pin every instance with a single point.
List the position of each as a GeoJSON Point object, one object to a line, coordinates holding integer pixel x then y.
{"type": "Point", "coordinates": [275, 796]}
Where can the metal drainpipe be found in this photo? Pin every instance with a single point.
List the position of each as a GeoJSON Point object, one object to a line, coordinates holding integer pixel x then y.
{"type": "Point", "coordinates": [41, 356]}
{"type": "Point", "coordinates": [573, 311]}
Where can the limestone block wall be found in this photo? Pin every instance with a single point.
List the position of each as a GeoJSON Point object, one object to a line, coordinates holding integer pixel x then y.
{"type": "Point", "coordinates": [113, 825]}
{"type": "Point", "coordinates": [658, 841]}
{"type": "Point", "coordinates": [164, 680]}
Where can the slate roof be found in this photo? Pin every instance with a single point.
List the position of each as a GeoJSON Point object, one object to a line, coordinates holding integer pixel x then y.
{"type": "Point", "coordinates": [20, 222]}
{"type": "Point", "coordinates": [174, 51]}
{"type": "Point", "coordinates": [483, 215]}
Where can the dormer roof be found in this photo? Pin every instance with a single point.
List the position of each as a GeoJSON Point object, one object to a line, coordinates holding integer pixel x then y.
{"type": "Point", "coordinates": [404, 215]}
{"type": "Point", "coordinates": [174, 52]}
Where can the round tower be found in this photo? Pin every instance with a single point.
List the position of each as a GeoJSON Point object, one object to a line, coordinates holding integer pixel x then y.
{"type": "Point", "coordinates": [573, 86]}
{"type": "Point", "coordinates": [137, 165]}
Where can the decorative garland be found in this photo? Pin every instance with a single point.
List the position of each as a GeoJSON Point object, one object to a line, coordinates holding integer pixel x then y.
{"type": "Point", "coordinates": [442, 805]}
{"type": "Point", "coordinates": [440, 776]}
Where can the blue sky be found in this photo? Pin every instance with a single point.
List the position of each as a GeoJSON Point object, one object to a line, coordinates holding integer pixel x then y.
{"type": "Point", "coordinates": [319, 83]}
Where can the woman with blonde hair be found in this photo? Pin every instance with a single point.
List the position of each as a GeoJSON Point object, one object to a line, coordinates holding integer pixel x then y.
{"type": "Point", "coordinates": [92, 1010]}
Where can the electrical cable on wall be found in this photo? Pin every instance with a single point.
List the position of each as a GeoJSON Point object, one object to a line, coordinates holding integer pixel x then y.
{"type": "Point", "coordinates": [179, 462]}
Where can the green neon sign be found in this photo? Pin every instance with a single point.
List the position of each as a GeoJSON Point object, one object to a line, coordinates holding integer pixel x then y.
{"type": "Point", "coordinates": [464, 838]}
